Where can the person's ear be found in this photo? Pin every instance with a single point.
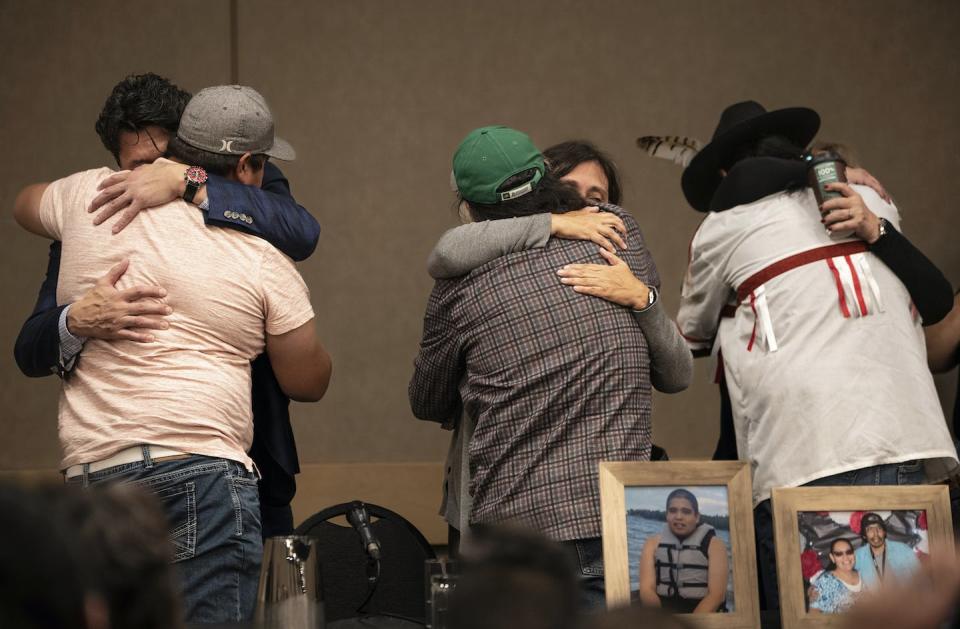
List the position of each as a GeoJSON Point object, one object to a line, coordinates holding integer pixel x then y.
{"type": "Point", "coordinates": [245, 172]}
{"type": "Point", "coordinates": [243, 166]}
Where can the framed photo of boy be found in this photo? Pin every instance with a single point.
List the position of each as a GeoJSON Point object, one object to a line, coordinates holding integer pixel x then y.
{"type": "Point", "coordinates": [679, 535]}
{"type": "Point", "coordinates": [836, 544]}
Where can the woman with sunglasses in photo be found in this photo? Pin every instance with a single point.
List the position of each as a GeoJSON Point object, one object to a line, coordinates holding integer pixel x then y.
{"type": "Point", "coordinates": [835, 590]}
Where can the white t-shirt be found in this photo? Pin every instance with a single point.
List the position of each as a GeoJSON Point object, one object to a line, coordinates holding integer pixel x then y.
{"type": "Point", "coordinates": [853, 588]}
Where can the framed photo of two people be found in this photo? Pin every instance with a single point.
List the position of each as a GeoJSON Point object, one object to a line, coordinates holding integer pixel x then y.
{"type": "Point", "coordinates": [679, 535]}
{"type": "Point", "coordinates": [837, 545]}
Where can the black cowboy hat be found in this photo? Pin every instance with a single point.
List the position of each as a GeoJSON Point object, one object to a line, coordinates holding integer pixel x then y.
{"type": "Point", "coordinates": [741, 123]}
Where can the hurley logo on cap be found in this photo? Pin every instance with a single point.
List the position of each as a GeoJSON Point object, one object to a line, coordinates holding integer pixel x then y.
{"type": "Point", "coordinates": [232, 120]}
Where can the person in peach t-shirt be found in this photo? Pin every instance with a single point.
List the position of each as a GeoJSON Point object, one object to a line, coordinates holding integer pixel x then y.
{"type": "Point", "coordinates": [174, 415]}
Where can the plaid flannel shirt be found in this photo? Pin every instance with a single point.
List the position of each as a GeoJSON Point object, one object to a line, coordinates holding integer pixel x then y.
{"type": "Point", "coordinates": [557, 382]}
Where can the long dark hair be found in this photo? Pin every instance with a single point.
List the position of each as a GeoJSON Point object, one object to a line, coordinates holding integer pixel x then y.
{"type": "Point", "coordinates": [549, 195]}
{"type": "Point", "coordinates": [778, 146]}
{"type": "Point", "coordinates": [564, 157]}
{"type": "Point", "coordinates": [766, 146]}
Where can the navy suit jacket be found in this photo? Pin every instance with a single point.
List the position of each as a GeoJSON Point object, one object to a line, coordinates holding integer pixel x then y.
{"type": "Point", "coordinates": [290, 228]}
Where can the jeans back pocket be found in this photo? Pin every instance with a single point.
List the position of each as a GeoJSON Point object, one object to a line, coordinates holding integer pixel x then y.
{"type": "Point", "coordinates": [911, 473]}
{"type": "Point", "coordinates": [180, 504]}
{"type": "Point", "coordinates": [246, 504]}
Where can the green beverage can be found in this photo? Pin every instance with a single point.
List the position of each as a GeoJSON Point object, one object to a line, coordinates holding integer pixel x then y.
{"type": "Point", "coordinates": [824, 169]}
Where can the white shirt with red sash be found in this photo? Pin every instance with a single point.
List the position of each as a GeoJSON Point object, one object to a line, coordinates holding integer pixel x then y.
{"type": "Point", "coordinates": [824, 355]}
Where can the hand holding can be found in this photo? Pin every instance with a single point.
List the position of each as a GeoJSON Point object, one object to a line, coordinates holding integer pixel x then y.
{"type": "Point", "coordinates": [825, 169]}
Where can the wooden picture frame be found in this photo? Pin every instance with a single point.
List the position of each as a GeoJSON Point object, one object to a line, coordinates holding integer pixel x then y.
{"type": "Point", "coordinates": [617, 478]}
{"type": "Point", "coordinates": [789, 503]}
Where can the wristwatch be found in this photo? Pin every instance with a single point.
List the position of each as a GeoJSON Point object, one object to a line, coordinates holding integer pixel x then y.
{"type": "Point", "coordinates": [651, 298]}
{"type": "Point", "coordinates": [195, 177]}
{"type": "Point", "coordinates": [882, 229]}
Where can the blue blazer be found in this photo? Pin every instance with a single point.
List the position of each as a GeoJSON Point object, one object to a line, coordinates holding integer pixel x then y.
{"type": "Point", "coordinates": [289, 227]}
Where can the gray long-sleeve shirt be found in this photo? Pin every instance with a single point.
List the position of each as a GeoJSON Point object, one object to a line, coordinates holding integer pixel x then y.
{"type": "Point", "coordinates": [465, 248]}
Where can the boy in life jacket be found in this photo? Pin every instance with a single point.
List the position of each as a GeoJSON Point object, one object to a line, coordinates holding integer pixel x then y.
{"type": "Point", "coordinates": [684, 569]}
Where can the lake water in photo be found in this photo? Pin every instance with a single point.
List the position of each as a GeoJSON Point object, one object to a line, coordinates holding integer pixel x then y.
{"type": "Point", "coordinates": [640, 528]}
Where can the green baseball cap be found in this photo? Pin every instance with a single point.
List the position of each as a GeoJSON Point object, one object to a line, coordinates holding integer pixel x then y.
{"type": "Point", "coordinates": [487, 157]}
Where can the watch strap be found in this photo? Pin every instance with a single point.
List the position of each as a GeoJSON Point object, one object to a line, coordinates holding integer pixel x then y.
{"type": "Point", "coordinates": [652, 297]}
{"type": "Point", "coordinates": [190, 191]}
{"type": "Point", "coordinates": [195, 176]}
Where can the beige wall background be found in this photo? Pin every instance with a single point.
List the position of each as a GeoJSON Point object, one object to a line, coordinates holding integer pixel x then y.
{"type": "Point", "coordinates": [375, 96]}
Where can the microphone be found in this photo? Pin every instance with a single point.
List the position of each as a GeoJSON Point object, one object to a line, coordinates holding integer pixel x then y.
{"type": "Point", "coordinates": [359, 519]}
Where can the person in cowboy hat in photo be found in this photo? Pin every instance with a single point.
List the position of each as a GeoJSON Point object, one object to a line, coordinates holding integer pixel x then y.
{"type": "Point", "coordinates": [821, 348]}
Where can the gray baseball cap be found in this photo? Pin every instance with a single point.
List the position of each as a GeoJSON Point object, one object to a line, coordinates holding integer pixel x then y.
{"type": "Point", "coordinates": [232, 120]}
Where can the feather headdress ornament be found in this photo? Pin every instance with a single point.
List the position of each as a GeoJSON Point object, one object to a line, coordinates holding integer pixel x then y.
{"type": "Point", "coordinates": [679, 149]}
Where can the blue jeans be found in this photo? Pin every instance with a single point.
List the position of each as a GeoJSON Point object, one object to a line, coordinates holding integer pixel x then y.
{"type": "Point", "coordinates": [588, 554]}
{"type": "Point", "coordinates": [908, 473]}
{"type": "Point", "coordinates": [214, 515]}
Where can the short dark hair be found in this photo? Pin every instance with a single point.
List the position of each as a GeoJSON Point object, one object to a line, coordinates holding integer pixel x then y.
{"type": "Point", "coordinates": [38, 553]}
{"type": "Point", "coordinates": [686, 495]}
{"type": "Point", "coordinates": [549, 195]}
{"type": "Point", "coordinates": [771, 145]}
{"type": "Point", "coordinates": [213, 163]}
{"type": "Point", "coordinates": [515, 578]}
{"type": "Point", "coordinates": [139, 101]}
{"type": "Point", "coordinates": [124, 535]}
{"type": "Point", "coordinates": [564, 157]}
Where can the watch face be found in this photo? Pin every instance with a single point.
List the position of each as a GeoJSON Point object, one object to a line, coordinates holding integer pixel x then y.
{"type": "Point", "coordinates": [195, 175]}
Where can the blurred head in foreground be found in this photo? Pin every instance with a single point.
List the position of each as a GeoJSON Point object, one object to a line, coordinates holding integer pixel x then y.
{"type": "Point", "coordinates": [92, 559]}
{"type": "Point", "coordinates": [515, 578]}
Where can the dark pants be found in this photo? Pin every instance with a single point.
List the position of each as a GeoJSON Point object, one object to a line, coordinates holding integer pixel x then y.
{"type": "Point", "coordinates": [277, 520]}
{"type": "Point", "coordinates": [588, 555]}
{"type": "Point", "coordinates": [453, 542]}
{"type": "Point", "coordinates": [908, 473]}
